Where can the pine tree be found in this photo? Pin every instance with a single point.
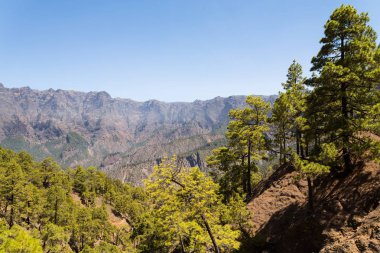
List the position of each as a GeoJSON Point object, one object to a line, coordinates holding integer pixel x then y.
{"type": "Point", "coordinates": [246, 132]}
{"type": "Point", "coordinates": [345, 84]}
{"type": "Point", "coordinates": [55, 239]}
{"type": "Point", "coordinates": [18, 239]}
{"type": "Point", "coordinates": [12, 182]}
{"type": "Point", "coordinates": [228, 170]}
{"type": "Point", "coordinates": [186, 211]}
{"type": "Point", "coordinates": [288, 113]}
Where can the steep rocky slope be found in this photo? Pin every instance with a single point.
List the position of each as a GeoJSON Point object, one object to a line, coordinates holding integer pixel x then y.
{"type": "Point", "coordinates": [346, 216]}
{"type": "Point", "coordinates": [122, 136]}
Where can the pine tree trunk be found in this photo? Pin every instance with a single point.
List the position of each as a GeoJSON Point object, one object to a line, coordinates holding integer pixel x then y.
{"type": "Point", "coordinates": [281, 152]}
{"type": "Point", "coordinates": [82, 242]}
{"type": "Point", "coordinates": [242, 166]}
{"type": "Point", "coordinates": [344, 103]}
{"type": "Point", "coordinates": [346, 139]}
{"type": "Point", "coordinates": [28, 216]}
{"type": "Point", "coordinates": [11, 218]}
{"type": "Point", "coordinates": [56, 212]}
{"type": "Point", "coordinates": [284, 161]}
{"type": "Point", "coordinates": [315, 142]}
{"type": "Point", "coordinates": [182, 244]}
{"type": "Point", "coordinates": [11, 215]}
{"type": "Point", "coordinates": [310, 194]}
{"type": "Point", "coordinates": [5, 209]}
{"type": "Point", "coordinates": [249, 185]}
{"type": "Point", "coordinates": [302, 152]}
{"type": "Point", "coordinates": [297, 142]}
{"type": "Point", "coordinates": [216, 248]}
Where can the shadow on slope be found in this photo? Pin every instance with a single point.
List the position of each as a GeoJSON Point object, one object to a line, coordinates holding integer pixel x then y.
{"type": "Point", "coordinates": [343, 206]}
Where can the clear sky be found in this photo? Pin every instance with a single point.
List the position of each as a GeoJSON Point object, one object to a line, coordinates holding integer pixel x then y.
{"type": "Point", "coordinates": [171, 50]}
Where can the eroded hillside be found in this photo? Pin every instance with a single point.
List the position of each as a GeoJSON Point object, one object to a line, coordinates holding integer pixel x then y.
{"type": "Point", "coordinates": [346, 216]}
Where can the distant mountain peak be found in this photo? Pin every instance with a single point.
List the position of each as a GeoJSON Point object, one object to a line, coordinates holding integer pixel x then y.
{"type": "Point", "coordinates": [87, 128]}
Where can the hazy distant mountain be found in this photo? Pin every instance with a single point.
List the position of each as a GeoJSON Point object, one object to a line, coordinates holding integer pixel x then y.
{"type": "Point", "coordinates": [123, 137]}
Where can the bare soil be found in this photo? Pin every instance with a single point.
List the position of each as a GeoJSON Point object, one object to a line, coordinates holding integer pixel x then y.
{"type": "Point", "coordinates": [346, 217]}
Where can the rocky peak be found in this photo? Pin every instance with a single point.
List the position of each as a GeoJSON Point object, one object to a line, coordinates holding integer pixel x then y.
{"type": "Point", "coordinates": [99, 125]}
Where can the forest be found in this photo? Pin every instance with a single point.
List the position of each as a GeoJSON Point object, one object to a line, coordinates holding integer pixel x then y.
{"type": "Point", "coordinates": [329, 122]}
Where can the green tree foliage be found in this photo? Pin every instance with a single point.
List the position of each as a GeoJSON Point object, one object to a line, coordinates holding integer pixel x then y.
{"type": "Point", "coordinates": [55, 239]}
{"type": "Point", "coordinates": [18, 239]}
{"type": "Point", "coordinates": [281, 120]}
{"type": "Point", "coordinates": [288, 114]}
{"type": "Point", "coordinates": [309, 170]}
{"type": "Point", "coordinates": [89, 183]}
{"type": "Point", "coordinates": [247, 144]}
{"type": "Point", "coordinates": [186, 212]}
{"type": "Point", "coordinates": [345, 85]}
{"type": "Point", "coordinates": [12, 186]}
{"type": "Point", "coordinates": [334, 124]}
{"type": "Point", "coordinates": [41, 215]}
{"type": "Point", "coordinates": [104, 247]}
{"type": "Point", "coordinates": [229, 172]}
{"type": "Point", "coordinates": [248, 127]}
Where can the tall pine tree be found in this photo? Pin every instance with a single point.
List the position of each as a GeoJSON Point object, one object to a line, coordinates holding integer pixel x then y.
{"type": "Point", "coordinates": [288, 113]}
{"type": "Point", "coordinates": [345, 83]}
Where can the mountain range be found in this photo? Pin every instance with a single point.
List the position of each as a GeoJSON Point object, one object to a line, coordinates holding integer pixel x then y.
{"type": "Point", "coordinates": [124, 138]}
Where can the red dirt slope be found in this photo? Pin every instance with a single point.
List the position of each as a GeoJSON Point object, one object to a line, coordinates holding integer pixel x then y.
{"type": "Point", "coordinates": [346, 216]}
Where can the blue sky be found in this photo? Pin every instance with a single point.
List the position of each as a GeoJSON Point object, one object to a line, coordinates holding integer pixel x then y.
{"type": "Point", "coordinates": [171, 50]}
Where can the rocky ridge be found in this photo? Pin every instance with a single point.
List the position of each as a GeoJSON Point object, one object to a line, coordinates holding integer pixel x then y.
{"type": "Point", "coordinates": [123, 137]}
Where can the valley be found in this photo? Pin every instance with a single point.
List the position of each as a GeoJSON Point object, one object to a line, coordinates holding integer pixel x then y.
{"type": "Point", "coordinates": [122, 137]}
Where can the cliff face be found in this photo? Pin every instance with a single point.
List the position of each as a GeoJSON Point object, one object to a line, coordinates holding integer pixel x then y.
{"type": "Point", "coordinates": [122, 136]}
